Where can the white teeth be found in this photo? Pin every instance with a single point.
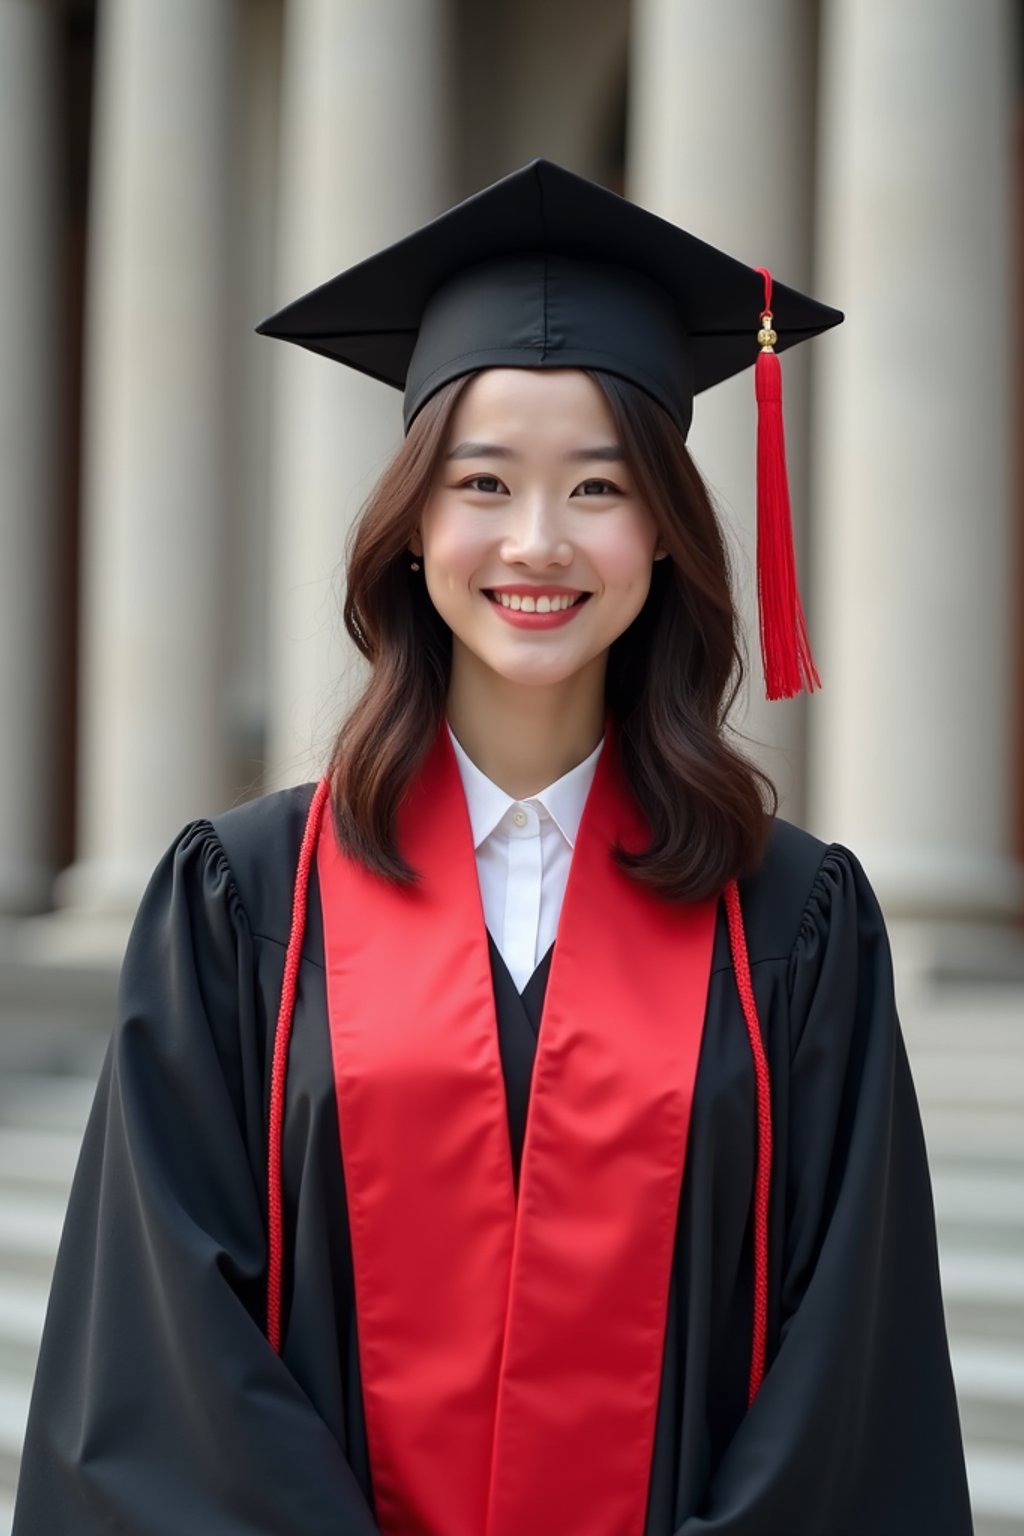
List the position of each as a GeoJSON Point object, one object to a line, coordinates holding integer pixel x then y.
{"type": "Point", "coordinates": [534, 605]}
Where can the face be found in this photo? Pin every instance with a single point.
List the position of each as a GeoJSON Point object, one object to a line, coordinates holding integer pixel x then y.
{"type": "Point", "coordinates": [534, 504]}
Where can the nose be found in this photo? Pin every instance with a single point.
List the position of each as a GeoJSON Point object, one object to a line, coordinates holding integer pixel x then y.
{"type": "Point", "coordinates": [536, 533]}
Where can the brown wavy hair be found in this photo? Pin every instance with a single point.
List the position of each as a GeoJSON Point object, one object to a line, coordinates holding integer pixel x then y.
{"type": "Point", "coordinates": [671, 676]}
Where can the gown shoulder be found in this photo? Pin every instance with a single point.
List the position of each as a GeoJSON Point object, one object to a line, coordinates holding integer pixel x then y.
{"type": "Point", "coordinates": [800, 890]}
{"type": "Point", "coordinates": [260, 841]}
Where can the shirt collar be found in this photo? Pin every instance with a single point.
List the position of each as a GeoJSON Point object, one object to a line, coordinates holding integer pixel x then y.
{"type": "Point", "coordinates": [563, 800]}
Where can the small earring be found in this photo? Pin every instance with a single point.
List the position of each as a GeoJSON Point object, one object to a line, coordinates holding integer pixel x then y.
{"type": "Point", "coordinates": [414, 566]}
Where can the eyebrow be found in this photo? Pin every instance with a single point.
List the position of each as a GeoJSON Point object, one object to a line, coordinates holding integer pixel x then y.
{"type": "Point", "coordinates": [605, 453]}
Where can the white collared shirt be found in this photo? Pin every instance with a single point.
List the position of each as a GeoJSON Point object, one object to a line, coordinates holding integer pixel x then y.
{"type": "Point", "coordinates": [523, 852]}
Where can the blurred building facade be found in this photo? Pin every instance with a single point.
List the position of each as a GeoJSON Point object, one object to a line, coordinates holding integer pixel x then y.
{"type": "Point", "coordinates": [175, 492]}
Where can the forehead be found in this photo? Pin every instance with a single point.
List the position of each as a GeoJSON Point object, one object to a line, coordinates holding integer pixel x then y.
{"type": "Point", "coordinates": [558, 402]}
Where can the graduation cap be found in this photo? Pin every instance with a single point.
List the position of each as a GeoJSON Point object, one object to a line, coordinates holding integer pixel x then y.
{"type": "Point", "coordinates": [545, 269]}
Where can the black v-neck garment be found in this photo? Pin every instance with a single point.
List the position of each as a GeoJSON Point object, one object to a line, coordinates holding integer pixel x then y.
{"type": "Point", "coordinates": [518, 1015]}
{"type": "Point", "coordinates": [159, 1408]}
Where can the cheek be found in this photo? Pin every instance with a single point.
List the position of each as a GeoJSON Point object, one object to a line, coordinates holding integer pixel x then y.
{"type": "Point", "coordinates": [454, 546]}
{"type": "Point", "coordinates": [627, 554]}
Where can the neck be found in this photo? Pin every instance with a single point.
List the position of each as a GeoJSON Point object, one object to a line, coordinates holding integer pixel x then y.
{"type": "Point", "coordinates": [524, 738]}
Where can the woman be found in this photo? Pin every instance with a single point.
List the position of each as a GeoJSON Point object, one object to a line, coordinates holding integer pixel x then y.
{"type": "Point", "coordinates": [398, 1212]}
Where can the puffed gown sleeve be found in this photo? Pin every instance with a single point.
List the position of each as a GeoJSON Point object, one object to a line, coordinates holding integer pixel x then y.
{"type": "Point", "coordinates": [855, 1431]}
{"type": "Point", "coordinates": [159, 1408]}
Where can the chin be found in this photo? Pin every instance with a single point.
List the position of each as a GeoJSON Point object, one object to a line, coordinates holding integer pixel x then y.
{"type": "Point", "coordinates": [538, 676]}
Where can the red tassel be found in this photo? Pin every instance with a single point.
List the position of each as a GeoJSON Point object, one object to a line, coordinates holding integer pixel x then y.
{"type": "Point", "coordinates": [785, 648]}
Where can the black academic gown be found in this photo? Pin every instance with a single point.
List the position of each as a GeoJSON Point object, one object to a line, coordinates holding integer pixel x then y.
{"type": "Point", "coordinates": [159, 1408]}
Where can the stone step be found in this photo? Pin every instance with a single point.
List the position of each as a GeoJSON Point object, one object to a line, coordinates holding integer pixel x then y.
{"type": "Point", "coordinates": [30, 1229]}
{"type": "Point", "coordinates": [965, 1044]}
{"type": "Point", "coordinates": [22, 1311]}
{"type": "Point", "coordinates": [39, 1161]}
{"type": "Point", "coordinates": [977, 1166]}
{"type": "Point", "coordinates": [989, 1376]}
{"type": "Point", "coordinates": [961, 1023]}
{"type": "Point", "coordinates": [997, 1196]}
{"type": "Point", "coordinates": [37, 1102]}
{"type": "Point", "coordinates": [996, 1480]}
{"type": "Point", "coordinates": [948, 1078]}
{"type": "Point", "coordinates": [981, 1002]}
{"type": "Point", "coordinates": [36, 1045]}
{"type": "Point", "coordinates": [994, 1134]}
{"type": "Point", "coordinates": [983, 1294]}
{"type": "Point", "coordinates": [979, 1211]}
{"type": "Point", "coordinates": [14, 1399]}
{"type": "Point", "coordinates": [979, 1061]}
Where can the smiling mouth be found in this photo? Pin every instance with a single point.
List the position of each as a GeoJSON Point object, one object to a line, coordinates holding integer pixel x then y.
{"type": "Point", "coordinates": [521, 604]}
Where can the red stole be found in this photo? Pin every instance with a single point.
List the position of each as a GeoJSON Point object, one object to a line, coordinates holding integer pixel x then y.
{"type": "Point", "coordinates": [511, 1354]}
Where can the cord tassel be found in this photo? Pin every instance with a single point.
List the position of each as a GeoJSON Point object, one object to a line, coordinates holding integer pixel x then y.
{"type": "Point", "coordinates": [279, 1067]}
{"type": "Point", "coordinates": [785, 647]}
{"type": "Point", "coordinates": [763, 1177]}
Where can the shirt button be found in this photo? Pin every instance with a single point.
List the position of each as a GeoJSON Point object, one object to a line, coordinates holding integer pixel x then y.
{"type": "Point", "coordinates": [519, 817]}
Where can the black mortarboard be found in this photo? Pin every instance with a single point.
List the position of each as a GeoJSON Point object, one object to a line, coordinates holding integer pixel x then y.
{"type": "Point", "coordinates": [546, 269]}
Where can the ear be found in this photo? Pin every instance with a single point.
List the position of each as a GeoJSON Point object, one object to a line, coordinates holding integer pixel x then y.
{"type": "Point", "coordinates": [659, 553]}
{"type": "Point", "coordinates": [416, 544]}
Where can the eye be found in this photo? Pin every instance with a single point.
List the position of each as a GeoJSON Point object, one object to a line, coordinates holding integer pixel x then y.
{"type": "Point", "coordinates": [598, 488]}
{"type": "Point", "coordinates": [488, 484]}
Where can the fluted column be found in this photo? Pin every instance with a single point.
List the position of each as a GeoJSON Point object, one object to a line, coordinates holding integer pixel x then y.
{"type": "Point", "coordinates": [364, 159]}
{"type": "Point", "coordinates": [721, 141]}
{"type": "Point", "coordinates": [31, 439]}
{"type": "Point", "coordinates": [152, 733]}
{"type": "Point", "coordinates": [912, 757]}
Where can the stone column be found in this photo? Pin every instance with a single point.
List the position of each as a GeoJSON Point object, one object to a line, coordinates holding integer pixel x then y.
{"type": "Point", "coordinates": [253, 256]}
{"type": "Point", "coordinates": [721, 141]}
{"type": "Point", "coordinates": [364, 159]}
{"type": "Point", "coordinates": [152, 744]}
{"type": "Point", "coordinates": [31, 440]}
{"type": "Point", "coordinates": [540, 80]}
{"type": "Point", "coordinates": [912, 759]}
